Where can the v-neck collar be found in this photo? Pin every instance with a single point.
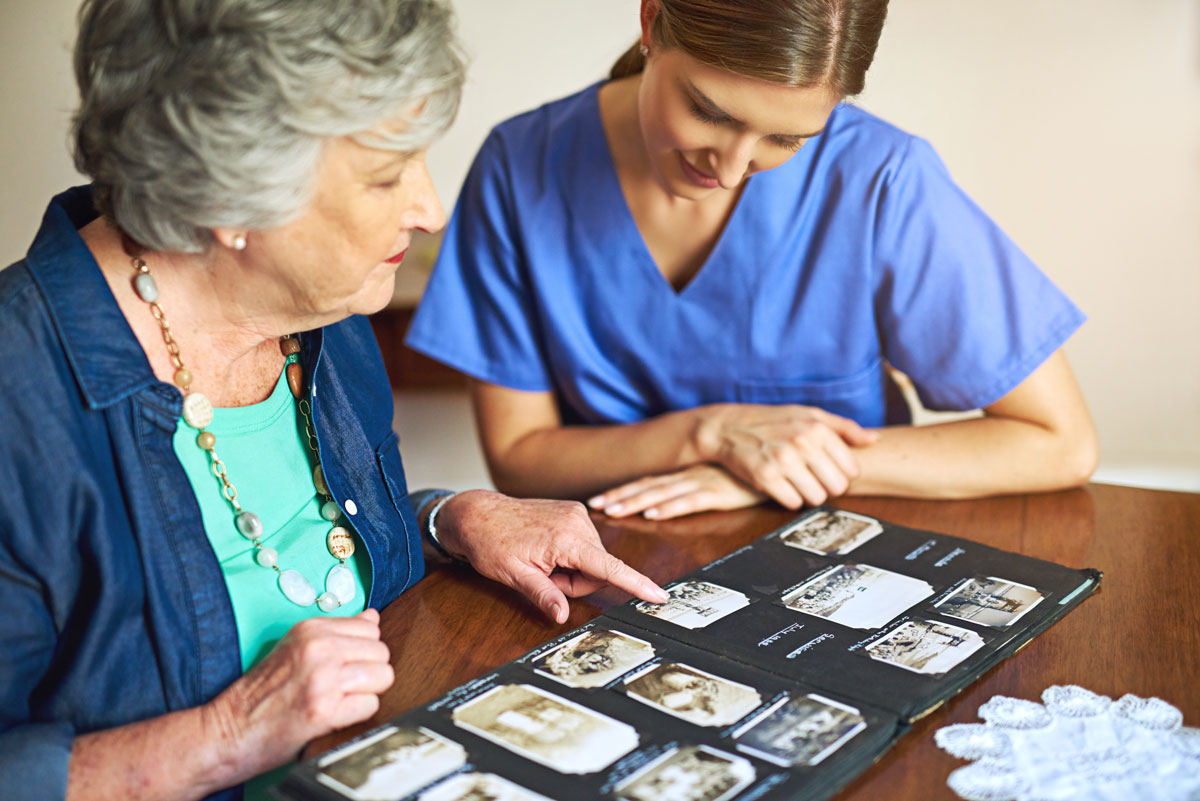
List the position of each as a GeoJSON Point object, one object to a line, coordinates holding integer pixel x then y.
{"type": "Point", "coordinates": [645, 257]}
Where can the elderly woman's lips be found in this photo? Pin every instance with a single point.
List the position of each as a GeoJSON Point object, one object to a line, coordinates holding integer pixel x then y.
{"type": "Point", "coordinates": [399, 257]}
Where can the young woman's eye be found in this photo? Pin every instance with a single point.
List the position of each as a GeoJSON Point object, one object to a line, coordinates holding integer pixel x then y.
{"type": "Point", "coordinates": [791, 145]}
{"type": "Point", "coordinates": [703, 115]}
{"type": "Point", "coordinates": [390, 184]}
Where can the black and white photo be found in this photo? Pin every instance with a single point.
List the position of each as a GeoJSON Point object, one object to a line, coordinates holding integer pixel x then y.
{"type": "Point", "coordinates": [479, 787]}
{"type": "Point", "coordinates": [693, 695]}
{"type": "Point", "coordinates": [990, 601]}
{"type": "Point", "coordinates": [925, 646]}
{"type": "Point", "coordinates": [547, 729]}
{"type": "Point", "coordinates": [800, 730]}
{"type": "Point", "coordinates": [695, 604]}
{"type": "Point", "coordinates": [390, 764]}
{"type": "Point", "coordinates": [859, 596]}
{"type": "Point", "coordinates": [831, 532]}
{"type": "Point", "coordinates": [689, 773]}
{"type": "Point", "coordinates": [594, 658]}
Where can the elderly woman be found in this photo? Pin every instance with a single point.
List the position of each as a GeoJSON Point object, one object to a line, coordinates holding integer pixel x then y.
{"type": "Point", "coordinates": [204, 502]}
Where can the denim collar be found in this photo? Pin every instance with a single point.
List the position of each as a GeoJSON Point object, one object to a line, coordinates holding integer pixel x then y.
{"type": "Point", "coordinates": [105, 356]}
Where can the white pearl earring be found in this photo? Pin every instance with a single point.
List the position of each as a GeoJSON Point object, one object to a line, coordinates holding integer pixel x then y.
{"type": "Point", "coordinates": [239, 242]}
{"type": "Point", "coordinates": [644, 50]}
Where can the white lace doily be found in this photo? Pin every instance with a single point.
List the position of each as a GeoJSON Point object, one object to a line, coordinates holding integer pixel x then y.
{"type": "Point", "coordinates": [1073, 746]}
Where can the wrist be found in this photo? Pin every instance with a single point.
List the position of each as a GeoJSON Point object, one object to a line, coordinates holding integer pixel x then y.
{"type": "Point", "coordinates": [451, 523]}
{"type": "Point", "coordinates": [225, 762]}
{"type": "Point", "coordinates": [703, 440]}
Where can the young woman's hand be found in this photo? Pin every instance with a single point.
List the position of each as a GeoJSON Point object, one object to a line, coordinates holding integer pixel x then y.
{"type": "Point", "coordinates": [546, 550]}
{"type": "Point", "coordinates": [699, 488]}
{"type": "Point", "coordinates": [795, 454]}
{"type": "Point", "coordinates": [325, 674]}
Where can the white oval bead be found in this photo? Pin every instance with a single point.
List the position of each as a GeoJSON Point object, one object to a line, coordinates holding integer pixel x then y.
{"type": "Point", "coordinates": [330, 511]}
{"type": "Point", "coordinates": [319, 480]}
{"type": "Point", "coordinates": [340, 542]}
{"type": "Point", "coordinates": [328, 602]}
{"type": "Point", "coordinates": [340, 582]}
{"type": "Point", "coordinates": [144, 285]}
{"type": "Point", "coordinates": [197, 410]}
{"type": "Point", "coordinates": [297, 588]}
{"type": "Point", "coordinates": [267, 557]}
{"type": "Point", "coordinates": [351, 507]}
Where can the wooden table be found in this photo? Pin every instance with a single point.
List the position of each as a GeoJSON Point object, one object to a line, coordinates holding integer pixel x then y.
{"type": "Point", "coordinates": [1139, 634]}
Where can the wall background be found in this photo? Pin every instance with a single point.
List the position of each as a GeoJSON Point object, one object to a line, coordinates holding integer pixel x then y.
{"type": "Point", "coordinates": [1075, 124]}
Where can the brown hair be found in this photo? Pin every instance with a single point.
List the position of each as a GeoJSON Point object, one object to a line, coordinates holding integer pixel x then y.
{"type": "Point", "coordinates": [791, 42]}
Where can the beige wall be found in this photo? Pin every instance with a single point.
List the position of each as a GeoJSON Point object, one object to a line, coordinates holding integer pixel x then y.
{"type": "Point", "coordinates": [1074, 123]}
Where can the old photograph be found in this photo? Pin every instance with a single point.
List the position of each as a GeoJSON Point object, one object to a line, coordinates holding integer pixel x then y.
{"type": "Point", "coordinates": [859, 596]}
{"type": "Point", "coordinates": [690, 773]}
{"type": "Point", "coordinates": [800, 730]}
{"type": "Point", "coordinates": [390, 764]}
{"type": "Point", "coordinates": [479, 787]}
{"type": "Point", "coordinates": [693, 695]}
{"type": "Point", "coordinates": [549, 730]}
{"type": "Point", "coordinates": [695, 604]}
{"type": "Point", "coordinates": [594, 658]}
{"type": "Point", "coordinates": [990, 602]}
{"type": "Point", "coordinates": [925, 646]}
{"type": "Point", "coordinates": [831, 533]}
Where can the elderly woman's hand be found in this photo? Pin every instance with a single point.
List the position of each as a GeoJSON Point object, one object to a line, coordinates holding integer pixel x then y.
{"type": "Point", "coordinates": [546, 550]}
{"type": "Point", "coordinates": [325, 674]}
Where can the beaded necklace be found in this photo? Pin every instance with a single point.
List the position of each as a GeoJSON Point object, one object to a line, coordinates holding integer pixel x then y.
{"type": "Point", "coordinates": [198, 414]}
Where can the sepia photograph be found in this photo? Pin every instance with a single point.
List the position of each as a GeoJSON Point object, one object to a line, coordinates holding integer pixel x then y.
{"type": "Point", "coordinates": [549, 730]}
{"type": "Point", "coordinates": [859, 596]}
{"type": "Point", "coordinates": [479, 787]}
{"type": "Point", "coordinates": [831, 533]}
{"type": "Point", "coordinates": [925, 646]}
{"type": "Point", "coordinates": [690, 773]}
{"type": "Point", "coordinates": [594, 658]}
{"type": "Point", "coordinates": [800, 731]}
{"type": "Point", "coordinates": [990, 602]}
{"type": "Point", "coordinates": [695, 604]}
{"type": "Point", "coordinates": [693, 695]}
{"type": "Point", "coordinates": [390, 764]}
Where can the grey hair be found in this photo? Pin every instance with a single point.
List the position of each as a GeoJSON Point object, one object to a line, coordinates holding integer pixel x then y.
{"type": "Point", "coordinates": [197, 114]}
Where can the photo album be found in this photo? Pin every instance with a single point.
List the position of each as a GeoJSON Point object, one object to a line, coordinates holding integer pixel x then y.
{"type": "Point", "coordinates": [780, 671]}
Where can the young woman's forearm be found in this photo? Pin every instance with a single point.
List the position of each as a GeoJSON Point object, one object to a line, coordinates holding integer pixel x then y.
{"type": "Point", "coordinates": [971, 458]}
{"type": "Point", "coordinates": [580, 461]}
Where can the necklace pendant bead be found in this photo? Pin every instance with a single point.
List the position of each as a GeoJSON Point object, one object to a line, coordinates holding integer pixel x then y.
{"type": "Point", "coordinates": [249, 525]}
{"type": "Point", "coordinates": [330, 510]}
{"type": "Point", "coordinates": [183, 378]}
{"type": "Point", "coordinates": [297, 588]}
{"type": "Point", "coordinates": [267, 557]}
{"type": "Point", "coordinates": [289, 346]}
{"type": "Point", "coordinates": [340, 582]}
{"type": "Point", "coordinates": [319, 480]}
{"type": "Point", "coordinates": [206, 440]}
{"type": "Point", "coordinates": [328, 602]}
{"type": "Point", "coordinates": [295, 379]}
{"type": "Point", "coordinates": [197, 410]}
{"type": "Point", "coordinates": [340, 542]}
{"type": "Point", "coordinates": [144, 285]}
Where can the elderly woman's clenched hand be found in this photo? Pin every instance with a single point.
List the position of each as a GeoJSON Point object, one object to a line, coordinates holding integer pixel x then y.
{"type": "Point", "coordinates": [325, 674]}
{"type": "Point", "coordinates": [546, 550]}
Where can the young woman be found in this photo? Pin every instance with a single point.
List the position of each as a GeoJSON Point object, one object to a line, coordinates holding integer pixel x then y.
{"type": "Point", "coordinates": [682, 288]}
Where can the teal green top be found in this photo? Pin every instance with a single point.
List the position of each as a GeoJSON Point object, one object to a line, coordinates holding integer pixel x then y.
{"type": "Point", "coordinates": [267, 459]}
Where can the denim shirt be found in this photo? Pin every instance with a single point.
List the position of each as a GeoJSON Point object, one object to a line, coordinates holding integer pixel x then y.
{"type": "Point", "coordinates": [114, 606]}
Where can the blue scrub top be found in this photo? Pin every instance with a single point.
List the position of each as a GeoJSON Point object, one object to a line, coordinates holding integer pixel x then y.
{"type": "Point", "coordinates": [857, 251]}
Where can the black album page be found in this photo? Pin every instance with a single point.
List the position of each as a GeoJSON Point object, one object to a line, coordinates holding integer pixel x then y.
{"type": "Point", "coordinates": [780, 671]}
{"type": "Point", "coordinates": [893, 616]}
